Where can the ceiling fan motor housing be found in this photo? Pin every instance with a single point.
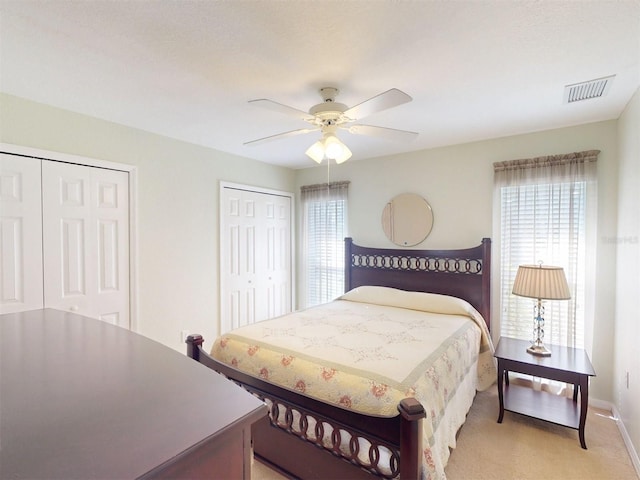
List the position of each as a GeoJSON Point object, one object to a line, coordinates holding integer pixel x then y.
{"type": "Point", "coordinates": [329, 94]}
{"type": "Point", "coordinates": [329, 112]}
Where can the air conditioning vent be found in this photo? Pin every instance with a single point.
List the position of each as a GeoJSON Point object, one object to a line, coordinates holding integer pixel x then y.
{"type": "Point", "coordinates": [586, 90]}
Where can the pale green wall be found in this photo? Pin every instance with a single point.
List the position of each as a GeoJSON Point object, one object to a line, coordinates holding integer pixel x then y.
{"type": "Point", "coordinates": [177, 207]}
{"type": "Point", "coordinates": [627, 316]}
{"type": "Point", "coordinates": [458, 183]}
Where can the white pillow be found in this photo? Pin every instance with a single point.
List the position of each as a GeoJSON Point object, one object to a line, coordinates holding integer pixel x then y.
{"type": "Point", "coordinates": [426, 302]}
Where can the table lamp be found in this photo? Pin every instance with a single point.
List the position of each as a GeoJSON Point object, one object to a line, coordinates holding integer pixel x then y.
{"type": "Point", "coordinates": [541, 282]}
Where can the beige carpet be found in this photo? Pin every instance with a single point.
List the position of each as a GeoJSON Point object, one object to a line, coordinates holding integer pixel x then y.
{"type": "Point", "coordinates": [522, 448]}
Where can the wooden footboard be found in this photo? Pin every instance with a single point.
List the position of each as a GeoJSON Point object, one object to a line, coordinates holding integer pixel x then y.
{"type": "Point", "coordinates": [293, 438]}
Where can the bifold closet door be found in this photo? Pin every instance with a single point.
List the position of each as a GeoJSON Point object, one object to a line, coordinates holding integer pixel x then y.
{"type": "Point", "coordinates": [255, 257]}
{"type": "Point", "coordinates": [86, 240]}
{"type": "Point", "coordinates": [20, 234]}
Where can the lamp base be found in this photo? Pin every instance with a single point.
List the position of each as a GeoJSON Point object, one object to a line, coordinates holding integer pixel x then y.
{"type": "Point", "coordinates": [539, 350]}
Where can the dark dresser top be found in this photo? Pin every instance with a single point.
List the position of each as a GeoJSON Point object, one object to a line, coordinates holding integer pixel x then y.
{"type": "Point", "coordinates": [80, 398]}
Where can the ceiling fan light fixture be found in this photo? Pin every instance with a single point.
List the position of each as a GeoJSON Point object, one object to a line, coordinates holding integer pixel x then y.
{"type": "Point", "coordinates": [316, 151]}
{"type": "Point", "coordinates": [329, 147]}
{"type": "Point", "coordinates": [336, 150]}
{"type": "Point", "coordinates": [346, 155]}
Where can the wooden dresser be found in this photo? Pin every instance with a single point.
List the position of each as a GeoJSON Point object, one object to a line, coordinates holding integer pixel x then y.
{"type": "Point", "coordinates": [80, 398]}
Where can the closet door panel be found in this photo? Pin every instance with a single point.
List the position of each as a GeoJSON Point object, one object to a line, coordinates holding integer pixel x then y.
{"type": "Point", "coordinates": [86, 235]}
{"type": "Point", "coordinates": [277, 228]}
{"type": "Point", "coordinates": [111, 228]}
{"type": "Point", "coordinates": [255, 256]}
{"type": "Point", "coordinates": [21, 280]}
{"type": "Point", "coordinates": [239, 261]}
{"type": "Point", "coordinates": [66, 215]}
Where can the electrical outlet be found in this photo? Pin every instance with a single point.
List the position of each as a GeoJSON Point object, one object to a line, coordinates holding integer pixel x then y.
{"type": "Point", "coordinates": [183, 335]}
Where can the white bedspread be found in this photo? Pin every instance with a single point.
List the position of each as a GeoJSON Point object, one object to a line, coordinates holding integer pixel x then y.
{"type": "Point", "coordinates": [371, 348]}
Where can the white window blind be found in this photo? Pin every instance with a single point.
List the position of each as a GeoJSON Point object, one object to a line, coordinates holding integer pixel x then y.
{"type": "Point", "coordinates": [324, 229]}
{"type": "Point", "coordinates": [547, 214]}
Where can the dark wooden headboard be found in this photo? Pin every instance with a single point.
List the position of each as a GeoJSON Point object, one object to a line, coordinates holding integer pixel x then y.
{"type": "Point", "coordinates": [463, 273]}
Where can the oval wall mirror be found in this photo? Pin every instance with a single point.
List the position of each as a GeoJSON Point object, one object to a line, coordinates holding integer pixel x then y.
{"type": "Point", "coordinates": [407, 219]}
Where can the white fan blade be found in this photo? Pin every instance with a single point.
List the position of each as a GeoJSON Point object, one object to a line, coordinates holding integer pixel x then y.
{"type": "Point", "coordinates": [382, 132]}
{"type": "Point", "coordinates": [390, 98]}
{"type": "Point", "coordinates": [279, 107]}
{"type": "Point", "coordinates": [281, 135]}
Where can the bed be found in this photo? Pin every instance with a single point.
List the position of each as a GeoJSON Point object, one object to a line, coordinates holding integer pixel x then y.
{"type": "Point", "coordinates": [397, 427]}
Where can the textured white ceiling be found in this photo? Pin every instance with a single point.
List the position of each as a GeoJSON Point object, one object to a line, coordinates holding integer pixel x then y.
{"type": "Point", "coordinates": [186, 69]}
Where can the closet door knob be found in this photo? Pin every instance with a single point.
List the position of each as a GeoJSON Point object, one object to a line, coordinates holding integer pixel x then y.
{"type": "Point", "coordinates": [74, 308]}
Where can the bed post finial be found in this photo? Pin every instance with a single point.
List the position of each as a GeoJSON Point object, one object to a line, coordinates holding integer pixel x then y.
{"type": "Point", "coordinates": [193, 343]}
{"type": "Point", "coordinates": [412, 412]}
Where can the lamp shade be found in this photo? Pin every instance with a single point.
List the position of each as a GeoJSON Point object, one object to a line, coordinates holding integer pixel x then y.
{"type": "Point", "coordinates": [542, 282]}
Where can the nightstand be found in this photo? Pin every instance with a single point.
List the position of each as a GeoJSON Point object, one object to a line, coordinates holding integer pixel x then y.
{"type": "Point", "coordinates": [571, 365]}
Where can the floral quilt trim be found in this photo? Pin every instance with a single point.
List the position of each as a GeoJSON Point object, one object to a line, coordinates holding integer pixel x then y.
{"type": "Point", "coordinates": [346, 354]}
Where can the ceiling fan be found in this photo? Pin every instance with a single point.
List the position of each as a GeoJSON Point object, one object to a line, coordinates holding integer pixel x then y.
{"type": "Point", "coordinates": [329, 116]}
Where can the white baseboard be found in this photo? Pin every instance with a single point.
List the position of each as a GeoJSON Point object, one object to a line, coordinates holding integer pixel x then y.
{"type": "Point", "coordinates": [594, 402]}
{"type": "Point", "coordinates": [627, 441]}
